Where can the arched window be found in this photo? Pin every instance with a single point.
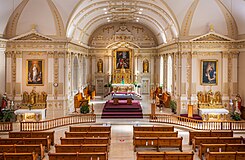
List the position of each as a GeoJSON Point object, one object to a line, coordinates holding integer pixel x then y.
{"type": "Point", "coordinates": [161, 71]}
{"type": "Point", "coordinates": [169, 72]}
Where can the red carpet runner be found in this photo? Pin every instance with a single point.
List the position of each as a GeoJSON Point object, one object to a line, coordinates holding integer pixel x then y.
{"type": "Point", "coordinates": [122, 110]}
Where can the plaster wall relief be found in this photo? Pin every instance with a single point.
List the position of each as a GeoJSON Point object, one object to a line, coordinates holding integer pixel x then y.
{"type": "Point", "coordinates": [116, 32]}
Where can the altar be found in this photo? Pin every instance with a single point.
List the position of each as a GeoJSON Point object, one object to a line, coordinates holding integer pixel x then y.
{"type": "Point", "coordinates": [30, 115]}
{"type": "Point", "coordinates": [117, 87]}
{"type": "Point", "coordinates": [216, 114]}
{"type": "Point", "coordinates": [210, 106]}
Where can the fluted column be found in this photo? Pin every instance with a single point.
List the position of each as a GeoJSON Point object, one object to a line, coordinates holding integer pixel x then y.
{"type": "Point", "coordinates": [188, 76]}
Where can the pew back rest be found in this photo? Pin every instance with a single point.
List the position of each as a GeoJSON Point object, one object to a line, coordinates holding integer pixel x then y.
{"type": "Point", "coordinates": [217, 133]}
{"type": "Point", "coordinates": [87, 134]}
{"type": "Point", "coordinates": [18, 156]}
{"type": "Point", "coordinates": [81, 148]}
{"type": "Point", "coordinates": [225, 155]}
{"type": "Point", "coordinates": [33, 134]}
{"type": "Point", "coordinates": [85, 140]}
{"type": "Point", "coordinates": [155, 134]}
{"type": "Point", "coordinates": [90, 128]}
{"type": "Point", "coordinates": [153, 128]}
{"type": "Point", "coordinates": [165, 155]}
{"type": "Point", "coordinates": [78, 156]}
{"type": "Point", "coordinates": [216, 140]}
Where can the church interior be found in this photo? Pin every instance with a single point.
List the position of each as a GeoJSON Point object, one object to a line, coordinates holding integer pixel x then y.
{"type": "Point", "coordinates": [122, 79]}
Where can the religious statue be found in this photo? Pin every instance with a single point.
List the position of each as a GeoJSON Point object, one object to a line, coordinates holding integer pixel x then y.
{"type": "Point", "coordinates": [25, 97]}
{"type": "Point", "coordinates": [4, 101]}
{"type": "Point", "coordinates": [100, 66]}
{"type": "Point", "coordinates": [34, 73]}
{"type": "Point", "coordinates": [145, 66]}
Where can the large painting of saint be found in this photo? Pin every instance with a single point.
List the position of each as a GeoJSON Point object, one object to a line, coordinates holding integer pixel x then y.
{"type": "Point", "coordinates": [35, 69]}
{"type": "Point", "coordinates": [209, 72]}
{"type": "Point", "coordinates": [122, 59]}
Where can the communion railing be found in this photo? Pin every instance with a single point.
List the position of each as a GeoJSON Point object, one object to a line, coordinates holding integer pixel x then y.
{"type": "Point", "coordinates": [198, 124]}
{"type": "Point", "coordinates": [58, 122]}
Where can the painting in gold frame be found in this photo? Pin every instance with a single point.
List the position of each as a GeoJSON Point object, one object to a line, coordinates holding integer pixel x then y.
{"type": "Point", "coordinates": [209, 72]}
{"type": "Point", "coordinates": [122, 59]}
{"type": "Point", "coordinates": [35, 71]}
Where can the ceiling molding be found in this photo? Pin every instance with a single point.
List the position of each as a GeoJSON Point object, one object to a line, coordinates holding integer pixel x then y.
{"type": "Point", "coordinates": [14, 18]}
{"type": "Point", "coordinates": [60, 30]}
{"type": "Point", "coordinates": [186, 24]}
{"type": "Point", "coordinates": [230, 21]}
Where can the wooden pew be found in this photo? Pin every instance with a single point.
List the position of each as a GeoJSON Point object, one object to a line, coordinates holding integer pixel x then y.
{"type": "Point", "coordinates": [165, 155]}
{"type": "Point", "coordinates": [18, 156]}
{"type": "Point", "coordinates": [80, 148]}
{"type": "Point", "coordinates": [90, 128]}
{"type": "Point", "coordinates": [154, 134]}
{"type": "Point", "coordinates": [225, 156]}
{"type": "Point", "coordinates": [87, 134]}
{"type": "Point", "coordinates": [158, 142]}
{"type": "Point", "coordinates": [153, 128]}
{"type": "Point", "coordinates": [78, 156]}
{"type": "Point", "coordinates": [203, 148]}
{"type": "Point", "coordinates": [44, 141]}
{"type": "Point", "coordinates": [33, 134]}
{"type": "Point", "coordinates": [85, 140]}
{"type": "Point", "coordinates": [23, 149]}
{"type": "Point", "coordinates": [209, 133]}
{"type": "Point", "coordinates": [215, 140]}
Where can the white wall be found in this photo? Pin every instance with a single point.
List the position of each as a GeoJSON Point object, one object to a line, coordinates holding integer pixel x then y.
{"type": "Point", "coordinates": [241, 76]}
{"type": "Point", "coordinates": [2, 71]}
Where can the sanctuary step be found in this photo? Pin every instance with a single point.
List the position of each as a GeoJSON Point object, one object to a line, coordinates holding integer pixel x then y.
{"type": "Point", "coordinates": [122, 110]}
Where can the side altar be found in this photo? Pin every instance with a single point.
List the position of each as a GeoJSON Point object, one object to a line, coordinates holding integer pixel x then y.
{"type": "Point", "coordinates": [210, 106]}
{"type": "Point", "coordinates": [33, 106]}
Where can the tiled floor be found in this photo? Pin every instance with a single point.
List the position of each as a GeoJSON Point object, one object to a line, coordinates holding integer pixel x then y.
{"type": "Point", "coordinates": [122, 131]}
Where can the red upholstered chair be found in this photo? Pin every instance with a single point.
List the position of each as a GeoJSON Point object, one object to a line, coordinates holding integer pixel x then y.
{"type": "Point", "coordinates": [115, 101]}
{"type": "Point", "coordinates": [129, 101]}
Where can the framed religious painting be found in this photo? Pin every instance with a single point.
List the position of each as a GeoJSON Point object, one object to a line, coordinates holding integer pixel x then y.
{"type": "Point", "coordinates": [122, 59]}
{"type": "Point", "coordinates": [35, 71]}
{"type": "Point", "coordinates": [209, 72]}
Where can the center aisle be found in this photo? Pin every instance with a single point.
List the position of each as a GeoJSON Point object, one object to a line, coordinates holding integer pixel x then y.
{"type": "Point", "coordinates": [122, 143]}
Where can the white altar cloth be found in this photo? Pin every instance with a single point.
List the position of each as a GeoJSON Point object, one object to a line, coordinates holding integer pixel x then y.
{"type": "Point", "coordinates": [41, 112]}
{"type": "Point", "coordinates": [218, 113]}
{"type": "Point", "coordinates": [213, 111]}
{"type": "Point", "coordinates": [122, 85]}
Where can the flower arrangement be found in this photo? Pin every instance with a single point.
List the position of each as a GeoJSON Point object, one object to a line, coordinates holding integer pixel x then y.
{"type": "Point", "coordinates": [235, 116]}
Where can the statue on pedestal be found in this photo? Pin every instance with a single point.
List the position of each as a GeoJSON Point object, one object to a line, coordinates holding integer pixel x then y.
{"type": "Point", "coordinates": [100, 66]}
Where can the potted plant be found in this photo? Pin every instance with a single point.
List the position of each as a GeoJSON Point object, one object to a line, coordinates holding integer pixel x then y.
{"type": "Point", "coordinates": [84, 109]}
{"type": "Point", "coordinates": [236, 116]}
{"type": "Point", "coordinates": [173, 106]}
{"type": "Point", "coordinates": [7, 116]}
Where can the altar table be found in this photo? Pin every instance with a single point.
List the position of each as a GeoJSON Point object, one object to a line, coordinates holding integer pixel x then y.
{"type": "Point", "coordinates": [218, 113]}
{"type": "Point", "coordinates": [30, 115]}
